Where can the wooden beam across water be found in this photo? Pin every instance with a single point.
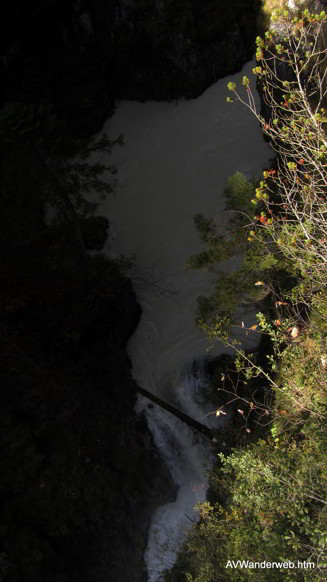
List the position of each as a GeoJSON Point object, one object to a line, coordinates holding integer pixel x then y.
{"type": "Point", "coordinates": [194, 424]}
{"type": "Point", "coordinates": [198, 426]}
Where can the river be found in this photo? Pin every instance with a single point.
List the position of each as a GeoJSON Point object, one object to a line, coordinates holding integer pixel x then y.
{"type": "Point", "coordinates": [174, 164]}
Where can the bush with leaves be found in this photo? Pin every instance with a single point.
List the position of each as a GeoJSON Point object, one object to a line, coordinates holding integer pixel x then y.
{"type": "Point", "coordinates": [233, 289]}
{"type": "Point", "coordinates": [292, 76]}
{"type": "Point", "coordinates": [271, 493]}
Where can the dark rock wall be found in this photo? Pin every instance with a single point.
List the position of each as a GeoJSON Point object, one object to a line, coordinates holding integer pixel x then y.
{"type": "Point", "coordinates": [79, 473]}
{"type": "Point", "coordinates": [84, 54]}
{"type": "Point", "coordinates": [168, 50]}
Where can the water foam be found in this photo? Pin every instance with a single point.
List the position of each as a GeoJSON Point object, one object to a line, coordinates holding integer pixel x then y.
{"type": "Point", "coordinates": [175, 162]}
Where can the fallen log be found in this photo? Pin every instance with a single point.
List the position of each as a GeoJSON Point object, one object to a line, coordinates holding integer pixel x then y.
{"type": "Point", "coordinates": [198, 426]}
{"type": "Point", "coordinates": [194, 424]}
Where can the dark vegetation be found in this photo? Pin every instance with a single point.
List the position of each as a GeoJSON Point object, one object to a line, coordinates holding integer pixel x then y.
{"type": "Point", "coordinates": [79, 472]}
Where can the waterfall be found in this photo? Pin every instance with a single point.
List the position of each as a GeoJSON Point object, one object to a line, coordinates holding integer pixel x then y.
{"type": "Point", "coordinates": [176, 160]}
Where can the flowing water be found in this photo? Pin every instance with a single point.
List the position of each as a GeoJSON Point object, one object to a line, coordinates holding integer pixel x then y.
{"type": "Point", "coordinates": [175, 162]}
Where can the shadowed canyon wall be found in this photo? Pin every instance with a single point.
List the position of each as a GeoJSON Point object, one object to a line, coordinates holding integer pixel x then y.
{"type": "Point", "coordinates": [80, 475]}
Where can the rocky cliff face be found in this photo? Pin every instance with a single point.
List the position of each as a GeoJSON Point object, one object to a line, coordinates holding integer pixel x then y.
{"type": "Point", "coordinates": [80, 476]}
{"type": "Point", "coordinates": [167, 50]}
{"type": "Point", "coordinates": [84, 54]}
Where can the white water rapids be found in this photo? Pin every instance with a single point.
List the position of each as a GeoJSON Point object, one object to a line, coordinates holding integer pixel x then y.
{"type": "Point", "coordinates": [175, 162]}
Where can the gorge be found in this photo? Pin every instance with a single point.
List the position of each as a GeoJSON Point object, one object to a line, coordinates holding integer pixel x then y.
{"type": "Point", "coordinates": [175, 162]}
{"type": "Point", "coordinates": [79, 466]}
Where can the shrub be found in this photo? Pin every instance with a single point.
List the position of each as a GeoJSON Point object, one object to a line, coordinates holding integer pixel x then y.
{"type": "Point", "coordinates": [268, 498]}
